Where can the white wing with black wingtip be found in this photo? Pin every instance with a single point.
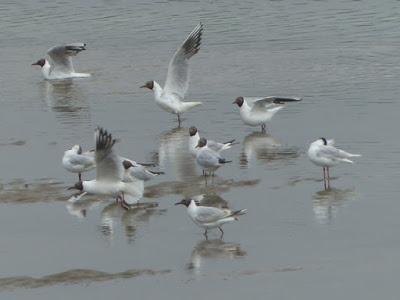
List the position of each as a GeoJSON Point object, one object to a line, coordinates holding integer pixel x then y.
{"type": "Point", "coordinates": [177, 81]}
{"type": "Point", "coordinates": [60, 56]}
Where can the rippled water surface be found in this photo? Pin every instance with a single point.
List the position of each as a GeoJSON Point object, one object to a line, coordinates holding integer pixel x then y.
{"type": "Point", "coordinates": [297, 241]}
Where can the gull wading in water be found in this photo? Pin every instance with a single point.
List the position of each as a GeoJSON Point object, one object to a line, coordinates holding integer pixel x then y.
{"type": "Point", "coordinates": [323, 153]}
{"type": "Point", "coordinates": [209, 217]}
{"type": "Point", "coordinates": [76, 161]}
{"type": "Point", "coordinates": [109, 173]}
{"type": "Point", "coordinates": [59, 63]}
{"type": "Point", "coordinates": [258, 111]}
{"type": "Point", "coordinates": [194, 138]}
{"type": "Point", "coordinates": [170, 98]}
{"type": "Point", "coordinates": [208, 159]}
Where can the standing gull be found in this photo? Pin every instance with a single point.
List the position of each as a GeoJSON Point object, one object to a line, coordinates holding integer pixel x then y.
{"type": "Point", "coordinates": [170, 98]}
{"type": "Point", "coordinates": [139, 171]}
{"type": "Point", "coordinates": [76, 161]}
{"type": "Point", "coordinates": [208, 159]}
{"type": "Point", "coordinates": [209, 217]}
{"type": "Point", "coordinates": [323, 153]}
{"type": "Point", "coordinates": [194, 138]}
{"type": "Point", "coordinates": [258, 111]}
{"type": "Point", "coordinates": [59, 63]}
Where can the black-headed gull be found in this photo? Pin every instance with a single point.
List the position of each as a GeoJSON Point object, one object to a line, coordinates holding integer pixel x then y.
{"type": "Point", "coordinates": [194, 138]}
{"type": "Point", "coordinates": [258, 111]}
{"type": "Point", "coordinates": [209, 217]}
{"type": "Point", "coordinates": [323, 153]}
{"type": "Point", "coordinates": [76, 161]}
{"type": "Point", "coordinates": [170, 98]}
{"type": "Point", "coordinates": [110, 173]}
{"type": "Point", "coordinates": [59, 63]}
{"type": "Point", "coordinates": [208, 159]}
{"type": "Point", "coordinates": [139, 171]}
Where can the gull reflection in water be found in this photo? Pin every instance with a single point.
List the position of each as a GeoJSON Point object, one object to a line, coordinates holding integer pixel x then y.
{"type": "Point", "coordinates": [66, 100]}
{"type": "Point", "coordinates": [130, 219]}
{"type": "Point", "coordinates": [263, 147]}
{"type": "Point", "coordinates": [174, 155]}
{"type": "Point", "coordinates": [79, 208]}
{"type": "Point", "coordinates": [212, 249]}
{"type": "Point", "coordinates": [326, 203]}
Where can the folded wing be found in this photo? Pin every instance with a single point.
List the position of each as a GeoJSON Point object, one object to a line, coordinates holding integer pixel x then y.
{"type": "Point", "coordinates": [211, 214]}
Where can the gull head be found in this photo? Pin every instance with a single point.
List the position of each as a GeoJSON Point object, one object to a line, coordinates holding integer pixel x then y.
{"type": "Point", "coordinates": [185, 202]}
{"type": "Point", "coordinates": [127, 164]}
{"type": "Point", "coordinates": [40, 62]}
{"type": "Point", "coordinates": [323, 140]}
{"type": "Point", "coordinates": [239, 101]}
{"type": "Point", "coordinates": [77, 149]}
{"type": "Point", "coordinates": [192, 131]}
{"type": "Point", "coordinates": [202, 142]}
{"type": "Point", "coordinates": [78, 186]}
{"type": "Point", "coordinates": [149, 85]}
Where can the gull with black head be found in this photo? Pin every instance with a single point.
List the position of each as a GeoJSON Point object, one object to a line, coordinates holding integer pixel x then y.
{"type": "Point", "coordinates": [170, 98]}
{"type": "Point", "coordinates": [258, 111]}
{"type": "Point", "coordinates": [58, 64]}
{"type": "Point", "coordinates": [109, 173]}
{"type": "Point", "coordinates": [194, 138]}
{"type": "Point", "coordinates": [208, 159]}
{"type": "Point", "coordinates": [209, 217]}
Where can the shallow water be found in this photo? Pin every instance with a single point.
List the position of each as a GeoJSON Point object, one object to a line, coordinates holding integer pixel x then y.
{"type": "Point", "coordinates": [297, 241]}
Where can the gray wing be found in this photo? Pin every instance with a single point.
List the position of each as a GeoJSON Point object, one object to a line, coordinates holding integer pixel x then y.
{"type": "Point", "coordinates": [213, 145]}
{"type": "Point", "coordinates": [207, 214]}
{"type": "Point", "coordinates": [208, 158]}
{"type": "Point", "coordinates": [261, 104]}
{"type": "Point", "coordinates": [61, 55]}
{"type": "Point", "coordinates": [108, 164]}
{"type": "Point", "coordinates": [177, 81]}
{"type": "Point", "coordinates": [333, 153]}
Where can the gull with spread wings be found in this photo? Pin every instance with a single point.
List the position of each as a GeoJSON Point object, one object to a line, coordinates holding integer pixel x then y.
{"type": "Point", "coordinates": [257, 111]}
{"type": "Point", "coordinates": [170, 98]}
{"type": "Point", "coordinates": [59, 65]}
{"type": "Point", "coordinates": [110, 173]}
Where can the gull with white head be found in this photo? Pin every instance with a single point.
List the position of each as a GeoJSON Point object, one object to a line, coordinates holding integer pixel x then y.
{"type": "Point", "coordinates": [170, 98]}
{"type": "Point", "coordinates": [76, 161]}
{"type": "Point", "coordinates": [323, 153]}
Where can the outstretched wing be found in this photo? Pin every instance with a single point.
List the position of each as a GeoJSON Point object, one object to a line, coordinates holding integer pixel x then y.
{"type": "Point", "coordinates": [107, 163]}
{"type": "Point", "coordinates": [263, 103]}
{"type": "Point", "coordinates": [61, 55]}
{"type": "Point", "coordinates": [177, 81]}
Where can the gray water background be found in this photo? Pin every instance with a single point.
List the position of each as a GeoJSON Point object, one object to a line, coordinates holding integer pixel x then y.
{"type": "Point", "coordinates": [296, 242]}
